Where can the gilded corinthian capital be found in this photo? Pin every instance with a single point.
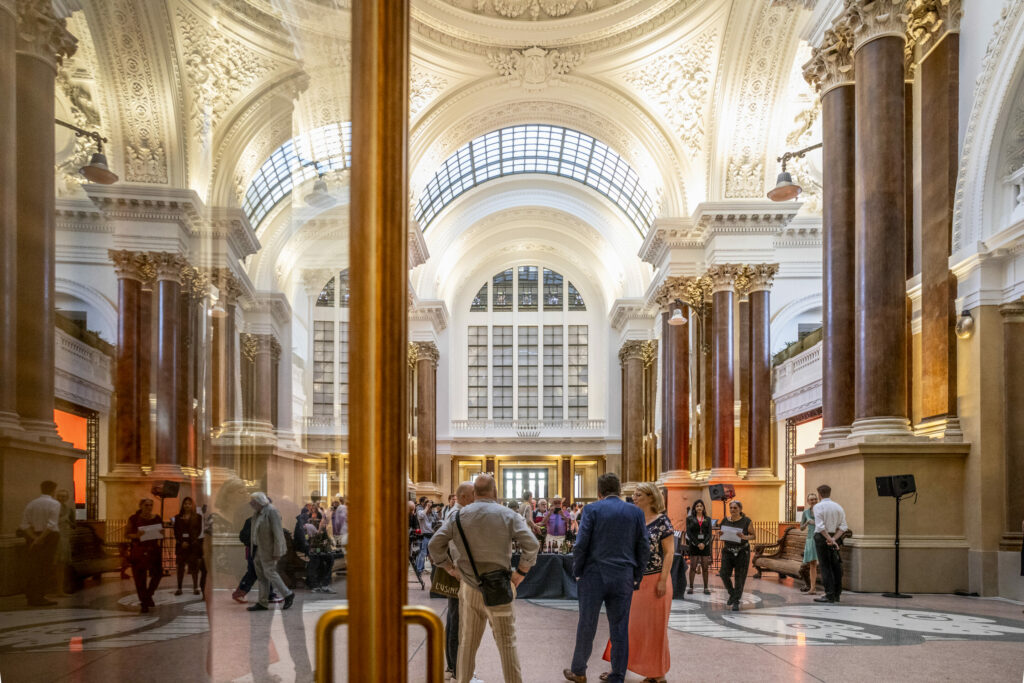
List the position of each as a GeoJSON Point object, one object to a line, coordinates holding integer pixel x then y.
{"type": "Point", "coordinates": [423, 351]}
{"type": "Point", "coordinates": [831, 64]}
{"type": "Point", "coordinates": [674, 288]}
{"type": "Point", "coordinates": [928, 21]}
{"type": "Point", "coordinates": [723, 276]}
{"type": "Point", "coordinates": [43, 35]}
{"type": "Point", "coordinates": [760, 276]}
{"type": "Point", "coordinates": [872, 19]}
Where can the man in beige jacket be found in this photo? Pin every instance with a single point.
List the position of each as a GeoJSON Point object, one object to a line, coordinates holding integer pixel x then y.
{"type": "Point", "coordinates": [268, 547]}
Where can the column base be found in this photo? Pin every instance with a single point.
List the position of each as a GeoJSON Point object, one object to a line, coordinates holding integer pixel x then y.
{"type": "Point", "coordinates": [10, 424]}
{"type": "Point", "coordinates": [944, 428]}
{"type": "Point", "coordinates": [933, 541]}
{"type": "Point", "coordinates": [881, 429]}
{"type": "Point", "coordinates": [761, 473]}
{"type": "Point", "coordinates": [830, 436]}
{"type": "Point", "coordinates": [167, 471]}
{"type": "Point", "coordinates": [41, 430]}
{"type": "Point", "coordinates": [430, 490]}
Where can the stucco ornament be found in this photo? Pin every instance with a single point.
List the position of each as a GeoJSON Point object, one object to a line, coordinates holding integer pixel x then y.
{"type": "Point", "coordinates": [533, 9]}
{"type": "Point", "coordinates": [534, 68]}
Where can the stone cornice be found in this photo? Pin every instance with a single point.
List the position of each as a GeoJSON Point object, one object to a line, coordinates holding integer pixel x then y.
{"type": "Point", "coordinates": [418, 252]}
{"type": "Point", "coordinates": [231, 225]}
{"type": "Point", "coordinates": [42, 34]}
{"type": "Point", "coordinates": [433, 310]}
{"type": "Point", "coordinates": [872, 19]}
{"type": "Point", "coordinates": [274, 303]}
{"type": "Point", "coordinates": [744, 216]}
{"type": "Point", "coordinates": [629, 309]}
{"type": "Point", "coordinates": [147, 203]}
{"type": "Point", "coordinates": [666, 234]}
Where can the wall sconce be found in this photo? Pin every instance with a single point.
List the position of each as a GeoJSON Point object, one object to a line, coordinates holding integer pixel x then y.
{"type": "Point", "coordinates": [785, 189]}
{"type": "Point", "coordinates": [96, 171]}
{"type": "Point", "coordinates": [965, 325]}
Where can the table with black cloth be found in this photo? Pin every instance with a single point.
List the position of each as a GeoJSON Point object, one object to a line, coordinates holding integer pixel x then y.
{"type": "Point", "coordinates": [550, 578]}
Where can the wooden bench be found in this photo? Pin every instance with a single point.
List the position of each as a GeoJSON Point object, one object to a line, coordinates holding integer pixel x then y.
{"type": "Point", "coordinates": [784, 557]}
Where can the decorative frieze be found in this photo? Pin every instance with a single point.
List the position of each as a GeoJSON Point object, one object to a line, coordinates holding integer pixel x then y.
{"type": "Point", "coordinates": [42, 34]}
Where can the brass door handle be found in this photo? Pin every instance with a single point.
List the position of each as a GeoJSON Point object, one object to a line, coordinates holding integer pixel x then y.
{"type": "Point", "coordinates": [411, 614]}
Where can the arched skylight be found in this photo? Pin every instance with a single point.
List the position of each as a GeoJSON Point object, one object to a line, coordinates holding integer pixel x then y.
{"type": "Point", "coordinates": [538, 148]}
{"type": "Point", "coordinates": [294, 162]}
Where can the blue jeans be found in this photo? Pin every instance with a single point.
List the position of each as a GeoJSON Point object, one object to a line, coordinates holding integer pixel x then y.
{"type": "Point", "coordinates": [421, 558]}
{"type": "Point", "coordinates": [616, 593]}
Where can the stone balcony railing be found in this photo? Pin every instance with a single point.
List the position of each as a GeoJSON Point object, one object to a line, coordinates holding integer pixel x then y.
{"type": "Point", "coordinates": [797, 383]}
{"type": "Point", "coordinates": [326, 425]}
{"type": "Point", "coordinates": [572, 428]}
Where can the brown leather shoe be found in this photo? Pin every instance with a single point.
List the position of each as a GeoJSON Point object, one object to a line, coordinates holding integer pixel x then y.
{"type": "Point", "coordinates": [570, 676]}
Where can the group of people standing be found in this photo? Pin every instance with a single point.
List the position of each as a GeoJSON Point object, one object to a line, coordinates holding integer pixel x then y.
{"type": "Point", "coordinates": [821, 549]}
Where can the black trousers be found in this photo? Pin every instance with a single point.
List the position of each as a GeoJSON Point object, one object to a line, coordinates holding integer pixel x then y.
{"type": "Point", "coordinates": [734, 564]}
{"type": "Point", "coordinates": [451, 634]}
{"type": "Point", "coordinates": [152, 565]}
{"type": "Point", "coordinates": [39, 567]}
{"type": "Point", "coordinates": [831, 567]}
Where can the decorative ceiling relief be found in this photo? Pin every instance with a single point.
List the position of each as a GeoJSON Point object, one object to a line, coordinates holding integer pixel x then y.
{"type": "Point", "coordinates": [803, 128]}
{"type": "Point", "coordinates": [676, 84]}
{"type": "Point", "coordinates": [534, 68]}
{"type": "Point", "coordinates": [219, 70]}
{"type": "Point", "coordinates": [1013, 144]}
{"type": "Point", "coordinates": [532, 10]}
{"type": "Point", "coordinates": [424, 87]}
{"type": "Point", "coordinates": [134, 91]}
{"type": "Point", "coordinates": [757, 95]}
{"type": "Point", "coordinates": [76, 81]}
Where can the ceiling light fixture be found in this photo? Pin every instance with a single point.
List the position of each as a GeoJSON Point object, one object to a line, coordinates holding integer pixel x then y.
{"type": "Point", "coordinates": [785, 189]}
{"type": "Point", "coordinates": [97, 170]}
{"type": "Point", "coordinates": [677, 317]}
{"type": "Point", "coordinates": [320, 197]}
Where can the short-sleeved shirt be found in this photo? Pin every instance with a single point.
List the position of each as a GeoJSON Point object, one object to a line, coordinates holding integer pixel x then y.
{"type": "Point", "coordinates": [659, 529]}
{"type": "Point", "coordinates": [743, 524]}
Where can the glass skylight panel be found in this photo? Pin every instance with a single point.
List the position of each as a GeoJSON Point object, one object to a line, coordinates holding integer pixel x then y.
{"type": "Point", "coordinates": [537, 148]}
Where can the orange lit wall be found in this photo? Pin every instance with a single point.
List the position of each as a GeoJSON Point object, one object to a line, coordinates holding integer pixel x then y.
{"type": "Point", "coordinates": [74, 429]}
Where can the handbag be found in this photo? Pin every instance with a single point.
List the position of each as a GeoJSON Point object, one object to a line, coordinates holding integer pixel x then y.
{"type": "Point", "coordinates": [495, 585]}
{"type": "Point", "coordinates": [443, 584]}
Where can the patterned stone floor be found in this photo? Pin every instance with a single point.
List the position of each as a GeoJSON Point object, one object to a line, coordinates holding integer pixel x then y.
{"type": "Point", "coordinates": [779, 634]}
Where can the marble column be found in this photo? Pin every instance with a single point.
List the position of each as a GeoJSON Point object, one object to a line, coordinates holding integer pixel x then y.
{"type": "Point", "coordinates": [169, 421]}
{"type": "Point", "coordinates": [675, 405]}
{"type": "Point", "coordinates": [222, 361]}
{"type": "Point", "coordinates": [743, 443]}
{"type": "Point", "coordinates": [261, 389]}
{"type": "Point", "coordinates": [190, 291]}
{"type": "Point", "coordinates": [42, 43]}
{"type": "Point", "coordinates": [632, 362]}
{"type": "Point", "coordinates": [723, 278]}
{"type": "Point", "coordinates": [8, 220]}
{"type": "Point", "coordinates": [940, 83]}
{"type": "Point", "coordinates": [126, 383]}
{"type": "Point", "coordinates": [830, 71]}
{"type": "Point", "coordinates": [760, 282]}
{"type": "Point", "coordinates": [880, 333]}
{"type": "Point", "coordinates": [707, 383]}
{"type": "Point", "coordinates": [427, 356]}
{"type": "Point", "coordinates": [1013, 426]}
{"type": "Point", "coordinates": [144, 359]}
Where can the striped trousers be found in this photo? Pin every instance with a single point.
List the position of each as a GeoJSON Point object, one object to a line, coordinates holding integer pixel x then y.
{"type": "Point", "coordinates": [474, 616]}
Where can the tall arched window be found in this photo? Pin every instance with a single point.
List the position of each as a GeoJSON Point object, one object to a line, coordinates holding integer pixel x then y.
{"type": "Point", "coordinates": [528, 358]}
{"type": "Point", "coordinates": [330, 349]}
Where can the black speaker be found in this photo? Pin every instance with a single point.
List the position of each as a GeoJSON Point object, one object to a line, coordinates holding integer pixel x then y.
{"type": "Point", "coordinates": [896, 485]}
{"type": "Point", "coordinates": [722, 491]}
{"type": "Point", "coordinates": [884, 485]}
{"type": "Point", "coordinates": [903, 484]}
{"type": "Point", "coordinates": [167, 489]}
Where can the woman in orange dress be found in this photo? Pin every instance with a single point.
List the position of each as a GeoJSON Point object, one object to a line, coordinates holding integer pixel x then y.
{"type": "Point", "coordinates": [652, 603]}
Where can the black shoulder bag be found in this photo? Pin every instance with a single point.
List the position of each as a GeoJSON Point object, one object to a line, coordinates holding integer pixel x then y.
{"type": "Point", "coordinates": [496, 585]}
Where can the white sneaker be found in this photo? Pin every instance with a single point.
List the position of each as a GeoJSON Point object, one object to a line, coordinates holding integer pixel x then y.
{"type": "Point", "coordinates": [474, 679]}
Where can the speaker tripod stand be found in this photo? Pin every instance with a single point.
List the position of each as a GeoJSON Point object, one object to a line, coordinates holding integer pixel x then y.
{"type": "Point", "coordinates": [896, 589]}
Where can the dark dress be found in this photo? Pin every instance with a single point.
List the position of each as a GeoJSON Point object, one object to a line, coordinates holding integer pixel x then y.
{"type": "Point", "coordinates": [188, 531]}
{"type": "Point", "coordinates": [146, 558]}
{"type": "Point", "coordinates": [697, 533]}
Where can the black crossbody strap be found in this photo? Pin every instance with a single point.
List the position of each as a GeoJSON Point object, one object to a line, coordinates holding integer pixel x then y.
{"type": "Point", "coordinates": [465, 543]}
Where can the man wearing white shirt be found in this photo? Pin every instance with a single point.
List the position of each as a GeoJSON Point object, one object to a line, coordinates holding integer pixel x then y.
{"type": "Point", "coordinates": [40, 526]}
{"type": "Point", "coordinates": [829, 527]}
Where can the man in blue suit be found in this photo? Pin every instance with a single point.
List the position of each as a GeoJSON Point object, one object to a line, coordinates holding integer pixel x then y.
{"type": "Point", "coordinates": [612, 549]}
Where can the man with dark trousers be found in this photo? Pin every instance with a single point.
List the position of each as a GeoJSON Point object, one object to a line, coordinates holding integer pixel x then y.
{"type": "Point", "coordinates": [829, 527]}
{"type": "Point", "coordinates": [611, 551]}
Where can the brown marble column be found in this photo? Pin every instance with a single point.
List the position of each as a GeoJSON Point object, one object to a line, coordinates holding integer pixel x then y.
{"type": "Point", "coordinates": [760, 369]}
{"type": "Point", "coordinates": [8, 219]}
{"type": "Point", "coordinates": [144, 370]}
{"type": "Point", "coordinates": [168, 325]}
{"type": "Point", "coordinates": [1013, 425]}
{"type": "Point", "coordinates": [263, 380]}
{"type": "Point", "coordinates": [743, 442]}
{"type": "Point", "coordinates": [427, 356]}
{"type": "Point", "coordinates": [126, 384]}
{"type": "Point", "coordinates": [707, 383]}
{"type": "Point", "coordinates": [830, 71]}
{"type": "Point", "coordinates": [880, 333]}
{"type": "Point", "coordinates": [723, 408]}
{"type": "Point", "coordinates": [940, 83]}
{"type": "Point", "coordinates": [42, 43]}
{"type": "Point", "coordinates": [222, 361]}
{"type": "Point", "coordinates": [631, 360]}
{"type": "Point", "coordinates": [191, 287]}
{"type": "Point", "coordinates": [676, 396]}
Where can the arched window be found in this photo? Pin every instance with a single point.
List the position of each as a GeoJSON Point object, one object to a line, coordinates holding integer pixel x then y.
{"type": "Point", "coordinates": [330, 352]}
{"type": "Point", "coordinates": [536, 148]}
{"type": "Point", "coordinates": [534, 366]}
{"type": "Point", "coordinates": [323, 149]}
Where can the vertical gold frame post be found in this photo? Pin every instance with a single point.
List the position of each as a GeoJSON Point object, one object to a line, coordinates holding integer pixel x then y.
{"type": "Point", "coordinates": [378, 547]}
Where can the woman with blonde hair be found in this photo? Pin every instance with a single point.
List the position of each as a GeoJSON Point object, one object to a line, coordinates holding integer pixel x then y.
{"type": "Point", "coordinates": [810, 552]}
{"type": "Point", "coordinates": [652, 603]}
